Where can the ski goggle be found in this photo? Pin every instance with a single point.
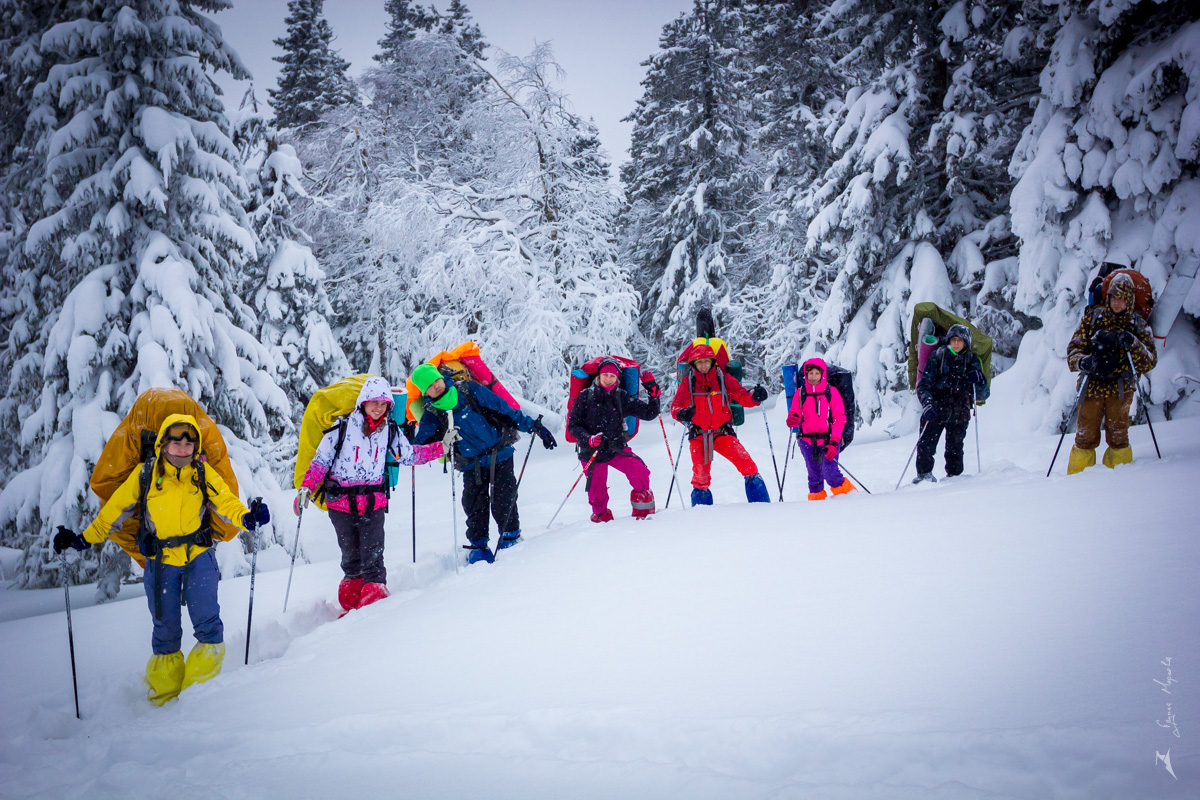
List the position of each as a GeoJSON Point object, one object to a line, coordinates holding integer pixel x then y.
{"type": "Point", "coordinates": [185, 436]}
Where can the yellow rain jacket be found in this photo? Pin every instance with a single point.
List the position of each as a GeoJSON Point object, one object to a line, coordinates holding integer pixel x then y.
{"type": "Point", "coordinates": [173, 502]}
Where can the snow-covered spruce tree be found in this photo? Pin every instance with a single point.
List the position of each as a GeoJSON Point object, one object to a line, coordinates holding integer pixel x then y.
{"type": "Point", "coordinates": [313, 76]}
{"type": "Point", "coordinates": [911, 208]}
{"type": "Point", "coordinates": [791, 81]}
{"type": "Point", "coordinates": [284, 285]}
{"type": "Point", "coordinates": [689, 178]}
{"type": "Point", "coordinates": [143, 219]}
{"type": "Point", "coordinates": [404, 20]}
{"type": "Point", "coordinates": [1108, 172]}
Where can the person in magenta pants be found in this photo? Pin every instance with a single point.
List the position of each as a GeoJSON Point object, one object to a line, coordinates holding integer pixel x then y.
{"type": "Point", "coordinates": [597, 421]}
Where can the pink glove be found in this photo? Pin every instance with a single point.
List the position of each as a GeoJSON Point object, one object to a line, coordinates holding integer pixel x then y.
{"type": "Point", "coordinates": [651, 385]}
{"type": "Point", "coordinates": [831, 451]}
{"type": "Point", "coordinates": [595, 439]}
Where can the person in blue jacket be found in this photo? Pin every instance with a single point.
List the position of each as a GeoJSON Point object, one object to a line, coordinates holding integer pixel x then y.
{"type": "Point", "coordinates": [482, 434]}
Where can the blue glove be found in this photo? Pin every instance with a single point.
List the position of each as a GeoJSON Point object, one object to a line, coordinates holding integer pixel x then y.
{"type": "Point", "coordinates": [975, 376]}
{"type": "Point", "coordinates": [68, 538]}
{"type": "Point", "coordinates": [928, 415]}
{"type": "Point", "coordinates": [545, 435]}
{"type": "Point", "coordinates": [258, 516]}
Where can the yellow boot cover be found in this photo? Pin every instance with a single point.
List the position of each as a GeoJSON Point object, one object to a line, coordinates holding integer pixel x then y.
{"type": "Point", "coordinates": [203, 662]}
{"type": "Point", "coordinates": [1118, 455]}
{"type": "Point", "coordinates": [164, 673]}
{"type": "Point", "coordinates": [1080, 460]}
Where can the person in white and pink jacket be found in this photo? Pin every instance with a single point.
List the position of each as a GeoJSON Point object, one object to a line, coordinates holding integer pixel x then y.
{"type": "Point", "coordinates": [349, 469]}
{"type": "Point", "coordinates": [819, 413]}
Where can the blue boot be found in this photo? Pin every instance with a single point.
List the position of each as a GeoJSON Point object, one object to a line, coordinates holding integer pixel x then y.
{"type": "Point", "coordinates": [756, 490]}
{"type": "Point", "coordinates": [701, 497]}
{"type": "Point", "coordinates": [478, 552]}
{"type": "Point", "coordinates": [509, 539]}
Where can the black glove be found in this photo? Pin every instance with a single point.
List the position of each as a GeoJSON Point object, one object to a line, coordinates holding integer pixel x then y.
{"type": "Point", "coordinates": [258, 516]}
{"type": "Point", "coordinates": [975, 376]}
{"type": "Point", "coordinates": [685, 415]}
{"type": "Point", "coordinates": [758, 394]}
{"type": "Point", "coordinates": [68, 538]}
{"type": "Point", "coordinates": [1087, 364]}
{"type": "Point", "coordinates": [928, 415]}
{"type": "Point", "coordinates": [545, 435]}
{"type": "Point", "coordinates": [1127, 339]}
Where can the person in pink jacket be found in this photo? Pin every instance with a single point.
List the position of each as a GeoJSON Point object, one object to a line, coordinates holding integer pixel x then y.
{"type": "Point", "coordinates": [819, 414]}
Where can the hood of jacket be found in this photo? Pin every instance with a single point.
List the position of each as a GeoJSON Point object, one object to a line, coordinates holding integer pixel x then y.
{"type": "Point", "coordinates": [375, 388]}
{"type": "Point", "coordinates": [820, 364]}
{"type": "Point", "coordinates": [168, 423]}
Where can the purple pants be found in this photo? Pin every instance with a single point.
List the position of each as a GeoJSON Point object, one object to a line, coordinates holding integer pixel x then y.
{"type": "Point", "coordinates": [625, 461]}
{"type": "Point", "coordinates": [820, 469]}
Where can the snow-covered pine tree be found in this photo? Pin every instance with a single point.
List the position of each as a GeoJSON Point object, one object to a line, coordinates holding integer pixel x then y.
{"type": "Point", "coordinates": [689, 178]}
{"type": "Point", "coordinates": [1107, 171]}
{"type": "Point", "coordinates": [313, 77]}
{"type": "Point", "coordinates": [284, 285]}
{"type": "Point", "coordinates": [403, 22]}
{"type": "Point", "coordinates": [143, 221]}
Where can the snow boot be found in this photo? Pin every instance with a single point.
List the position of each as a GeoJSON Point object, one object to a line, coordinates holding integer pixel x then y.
{"type": "Point", "coordinates": [603, 516]}
{"type": "Point", "coordinates": [846, 488]}
{"type": "Point", "coordinates": [817, 495]}
{"type": "Point", "coordinates": [203, 662]}
{"type": "Point", "coordinates": [701, 497]}
{"type": "Point", "coordinates": [164, 673]}
{"type": "Point", "coordinates": [756, 490]}
{"type": "Point", "coordinates": [508, 539]}
{"type": "Point", "coordinates": [348, 592]}
{"type": "Point", "coordinates": [1080, 459]}
{"type": "Point", "coordinates": [372, 593]}
{"type": "Point", "coordinates": [478, 552]}
{"type": "Point", "coordinates": [643, 504]}
{"type": "Point", "coordinates": [924, 476]}
{"type": "Point", "coordinates": [1117, 455]}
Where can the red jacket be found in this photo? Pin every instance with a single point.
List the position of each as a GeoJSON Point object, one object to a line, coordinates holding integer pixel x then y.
{"type": "Point", "coordinates": [712, 405]}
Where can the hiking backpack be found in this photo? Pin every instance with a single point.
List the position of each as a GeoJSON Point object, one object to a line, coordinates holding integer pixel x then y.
{"type": "Point", "coordinates": [1143, 291]}
{"type": "Point", "coordinates": [838, 378]}
{"type": "Point", "coordinates": [583, 376]}
{"type": "Point", "coordinates": [706, 334]}
{"type": "Point", "coordinates": [329, 410]}
{"type": "Point", "coordinates": [131, 447]}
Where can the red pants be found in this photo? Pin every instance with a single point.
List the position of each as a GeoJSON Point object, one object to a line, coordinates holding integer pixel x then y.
{"type": "Point", "coordinates": [728, 446]}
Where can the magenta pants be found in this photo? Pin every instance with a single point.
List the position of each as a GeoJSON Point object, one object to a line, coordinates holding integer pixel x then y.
{"type": "Point", "coordinates": [626, 462]}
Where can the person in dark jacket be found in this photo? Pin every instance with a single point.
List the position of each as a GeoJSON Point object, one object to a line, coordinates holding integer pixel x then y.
{"type": "Point", "coordinates": [1112, 347]}
{"type": "Point", "coordinates": [950, 384]}
{"type": "Point", "coordinates": [482, 452]}
{"type": "Point", "coordinates": [702, 403]}
{"type": "Point", "coordinates": [597, 421]}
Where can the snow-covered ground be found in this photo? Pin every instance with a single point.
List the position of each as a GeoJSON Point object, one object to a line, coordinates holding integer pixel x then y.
{"type": "Point", "coordinates": [999, 635]}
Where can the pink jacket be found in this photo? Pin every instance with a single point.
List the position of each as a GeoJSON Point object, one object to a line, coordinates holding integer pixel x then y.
{"type": "Point", "coordinates": [811, 411]}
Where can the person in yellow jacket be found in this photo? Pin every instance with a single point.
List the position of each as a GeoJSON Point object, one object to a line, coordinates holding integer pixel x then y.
{"type": "Point", "coordinates": [176, 538]}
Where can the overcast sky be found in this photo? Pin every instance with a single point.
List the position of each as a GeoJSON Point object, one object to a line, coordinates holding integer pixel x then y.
{"type": "Point", "coordinates": [599, 43]}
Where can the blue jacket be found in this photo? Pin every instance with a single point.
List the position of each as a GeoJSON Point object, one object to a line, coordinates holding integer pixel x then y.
{"type": "Point", "coordinates": [479, 436]}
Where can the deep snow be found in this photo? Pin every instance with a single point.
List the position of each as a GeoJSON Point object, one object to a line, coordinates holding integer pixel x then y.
{"type": "Point", "coordinates": [991, 636]}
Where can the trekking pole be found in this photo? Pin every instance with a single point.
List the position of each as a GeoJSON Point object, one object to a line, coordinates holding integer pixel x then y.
{"type": "Point", "coordinates": [849, 474]}
{"type": "Point", "coordinates": [774, 463]}
{"type": "Point", "coordinates": [978, 458]}
{"type": "Point", "coordinates": [1145, 402]}
{"type": "Point", "coordinates": [295, 549]}
{"type": "Point", "coordinates": [675, 469]}
{"type": "Point", "coordinates": [1074, 407]}
{"type": "Point", "coordinates": [516, 489]}
{"type": "Point", "coordinates": [586, 467]}
{"type": "Point", "coordinates": [914, 452]}
{"type": "Point", "coordinates": [70, 634]}
{"type": "Point", "coordinates": [254, 504]}
{"type": "Point", "coordinates": [414, 511]}
{"type": "Point", "coordinates": [453, 502]}
{"type": "Point", "coordinates": [786, 460]}
{"type": "Point", "coordinates": [670, 458]}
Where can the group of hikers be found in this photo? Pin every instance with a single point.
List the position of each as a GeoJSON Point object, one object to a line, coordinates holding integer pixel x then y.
{"type": "Point", "coordinates": [469, 422]}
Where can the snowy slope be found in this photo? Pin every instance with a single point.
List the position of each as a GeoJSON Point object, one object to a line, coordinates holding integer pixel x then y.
{"type": "Point", "coordinates": [991, 636]}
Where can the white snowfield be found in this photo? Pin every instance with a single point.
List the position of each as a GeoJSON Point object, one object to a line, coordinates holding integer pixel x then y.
{"type": "Point", "coordinates": [996, 636]}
